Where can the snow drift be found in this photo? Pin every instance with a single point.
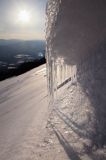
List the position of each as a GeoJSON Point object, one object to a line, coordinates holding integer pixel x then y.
{"type": "Point", "coordinates": [76, 46]}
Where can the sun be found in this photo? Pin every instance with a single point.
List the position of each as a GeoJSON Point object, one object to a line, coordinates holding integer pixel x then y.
{"type": "Point", "coordinates": [24, 16]}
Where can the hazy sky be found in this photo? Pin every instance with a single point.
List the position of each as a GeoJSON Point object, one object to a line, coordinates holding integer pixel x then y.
{"type": "Point", "coordinates": [22, 19]}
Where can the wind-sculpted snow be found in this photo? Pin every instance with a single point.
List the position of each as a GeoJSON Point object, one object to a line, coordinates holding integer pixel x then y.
{"type": "Point", "coordinates": [75, 28]}
{"type": "Point", "coordinates": [76, 40]}
{"type": "Point", "coordinates": [59, 71]}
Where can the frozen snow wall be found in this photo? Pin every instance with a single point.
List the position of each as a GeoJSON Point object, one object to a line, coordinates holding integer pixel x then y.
{"type": "Point", "coordinates": [75, 29]}
{"type": "Point", "coordinates": [59, 71]}
{"type": "Point", "coordinates": [76, 37]}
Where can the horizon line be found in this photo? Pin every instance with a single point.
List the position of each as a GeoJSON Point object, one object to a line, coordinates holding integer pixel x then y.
{"type": "Point", "coordinates": [23, 39]}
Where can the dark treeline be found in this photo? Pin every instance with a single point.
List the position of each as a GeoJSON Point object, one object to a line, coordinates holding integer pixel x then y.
{"type": "Point", "coordinates": [22, 68]}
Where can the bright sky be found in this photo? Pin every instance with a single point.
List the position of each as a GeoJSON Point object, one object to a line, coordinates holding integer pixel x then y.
{"type": "Point", "coordinates": [22, 19]}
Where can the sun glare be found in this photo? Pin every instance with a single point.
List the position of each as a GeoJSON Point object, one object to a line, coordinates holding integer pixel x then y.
{"type": "Point", "coordinates": [24, 16]}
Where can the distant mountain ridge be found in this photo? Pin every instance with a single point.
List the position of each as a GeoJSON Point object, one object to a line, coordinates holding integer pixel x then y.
{"type": "Point", "coordinates": [14, 53]}
{"type": "Point", "coordinates": [9, 49]}
{"type": "Point", "coordinates": [17, 41]}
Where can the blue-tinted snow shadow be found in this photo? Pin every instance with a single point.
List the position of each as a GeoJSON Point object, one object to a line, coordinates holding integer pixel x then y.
{"type": "Point", "coordinates": [69, 150]}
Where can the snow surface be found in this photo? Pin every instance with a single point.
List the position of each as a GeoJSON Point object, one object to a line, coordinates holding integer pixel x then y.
{"type": "Point", "coordinates": [71, 126]}
{"type": "Point", "coordinates": [23, 114]}
{"type": "Point", "coordinates": [76, 54]}
{"type": "Point", "coordinates": [75, 30]}
{"type": "Point", "coordinates": [76, 78]}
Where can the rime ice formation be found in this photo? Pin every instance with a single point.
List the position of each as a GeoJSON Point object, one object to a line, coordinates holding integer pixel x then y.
{"type": "Point", "coordinates": [76, 46]}
{"type": "Point", "coordinates": [59, 72]}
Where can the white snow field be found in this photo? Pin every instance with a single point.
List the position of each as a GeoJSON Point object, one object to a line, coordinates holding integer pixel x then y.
{"type": "Point", "coordinates": [23, 114]}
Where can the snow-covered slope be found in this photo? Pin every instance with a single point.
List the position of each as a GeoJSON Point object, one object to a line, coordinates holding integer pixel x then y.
{"type": "Point", "coordinates": [23, 112]}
